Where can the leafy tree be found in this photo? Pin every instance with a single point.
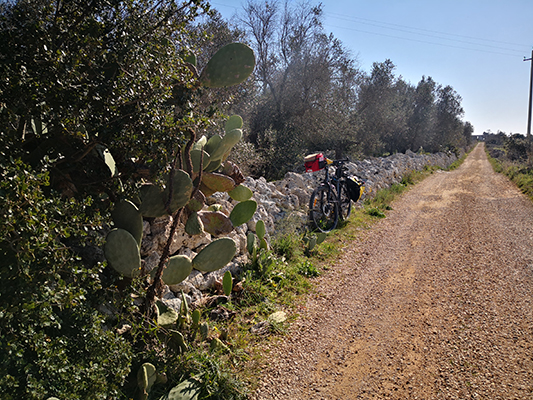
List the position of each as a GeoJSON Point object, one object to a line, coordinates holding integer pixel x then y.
{"type": "Point", "coordinates": [308, 85]}
{"type": "Point", "coordinates": [82, 77]}
{"type": "Point", "coordinates": [449, 127]}
{"type": "Point", "coordinates": [422, 121]}
{"type": "Point", "coordinates": [517, 147]}
{"type": "Point", "coordinates": [379, 110]}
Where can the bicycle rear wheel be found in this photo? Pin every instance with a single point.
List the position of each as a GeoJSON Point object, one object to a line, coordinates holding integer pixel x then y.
{"type": "Point", "coordinates": [345, 202]}
{"type": "Point", "coordinates": [323, 209]}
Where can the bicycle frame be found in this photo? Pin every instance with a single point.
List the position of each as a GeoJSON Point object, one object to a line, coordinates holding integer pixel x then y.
{"type": "Point", "coordinates": [335, 181]}
{"type": "Point", "coordinates": [332, 183]}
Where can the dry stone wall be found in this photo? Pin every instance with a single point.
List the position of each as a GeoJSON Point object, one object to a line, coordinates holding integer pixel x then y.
{"type": "Point", "coordinates": [276, 200]}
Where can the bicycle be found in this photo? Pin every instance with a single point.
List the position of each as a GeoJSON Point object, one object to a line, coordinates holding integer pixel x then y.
{"type": "Point", "coordinates": [333, 198]}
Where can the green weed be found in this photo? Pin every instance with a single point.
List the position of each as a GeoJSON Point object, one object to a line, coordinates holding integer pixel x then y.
{"type": "Point", "coordinates": [306, 268]}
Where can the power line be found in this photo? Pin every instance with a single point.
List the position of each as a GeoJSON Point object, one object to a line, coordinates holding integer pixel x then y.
{"type": "Point", "coordinates": [388, 25]}
{"type": "Point", "coordinates": [423, 41]}
{"type": "Point", "coordinates": [412, 30]}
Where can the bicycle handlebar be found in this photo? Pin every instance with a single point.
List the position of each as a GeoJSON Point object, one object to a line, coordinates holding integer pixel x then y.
{"type": "Point", "coordinates": [340, 162]}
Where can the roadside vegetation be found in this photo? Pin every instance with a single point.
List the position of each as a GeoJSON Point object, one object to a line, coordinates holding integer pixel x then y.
{"type": "Point", "coordinates": [513, 157]}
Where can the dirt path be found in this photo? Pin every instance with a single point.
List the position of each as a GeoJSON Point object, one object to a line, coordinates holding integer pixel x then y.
{"type": "Point", "coordinates": [434, 303]}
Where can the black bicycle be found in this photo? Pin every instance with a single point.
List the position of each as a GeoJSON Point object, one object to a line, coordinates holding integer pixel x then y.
{"type": "Point", "coordinates": [332, 200]}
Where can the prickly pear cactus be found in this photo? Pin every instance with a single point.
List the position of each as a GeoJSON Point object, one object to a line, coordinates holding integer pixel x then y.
{"type": "Point", "coordinates": [263, 244]}
{"type": "Point", "coordinates": [229, 140]}
{"type": "Point", "coordinates": [212, 144]}
{"type": "Point", "coordinates": [177, 340]}
{"type": "Point", "coordinates": [227, 283]}
{"type": "Point", "coordinates": [243, 212]}
{"type": "Point", "coordinates": [200, 143]}
{"type": "Point", "coordinates": [122, 252]}
{"type": "Point", "coordinates": [231, 65]}
{"type": "Point", "coordinates": [217, 183]}
{"type": "Point", "coordinates": [182, 188]}
{"type": "Point", "coordinates": [146, 377]}
{"type": "Point", "coordinates": [215, 255]}
{"type": "Point", "coordinates": [152, 202]}
{"type": "Point", "coordinates": [127, 216]}
{"type": "Point", "coordinates": [250, 242]}
{"type": "Point", "coordinates": [194, 225]}
{"type": "Point", "coordinates": [186, 390]}
{"type": "Point", "coordinates": [167, 316]}
{"type": "Point", "coordinates": [260, 229]}
{"type": "Point", "coordinates": [215, 222]}
{"type": "Point", "coordinates": [233, 122]}
{"type": "Point", "coordinates": [240, 193]}
{"type": "Point", "coordinates": [178, 268]}
{"type": "Point", "coordinates": [196, 155]}
{"type": "Point", "coordinates": [197, 202]}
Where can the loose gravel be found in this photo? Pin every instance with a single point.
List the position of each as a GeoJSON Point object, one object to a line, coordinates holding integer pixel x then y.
{"type": "Point", "coordinates": [434, 302]}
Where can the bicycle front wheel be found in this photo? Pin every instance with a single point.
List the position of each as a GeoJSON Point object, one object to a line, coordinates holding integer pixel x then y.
{"type": "Point", "coordinates": [345, 202]}
{"type": "Point", "coordinates": [323, 209]}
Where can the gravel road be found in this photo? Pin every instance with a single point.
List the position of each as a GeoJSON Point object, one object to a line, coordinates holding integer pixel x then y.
{"type": "Point", "coordinates": [434, 302]}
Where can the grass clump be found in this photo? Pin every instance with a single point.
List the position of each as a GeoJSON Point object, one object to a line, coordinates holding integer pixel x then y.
{"type": "Point", "coordinates": [520, 174]}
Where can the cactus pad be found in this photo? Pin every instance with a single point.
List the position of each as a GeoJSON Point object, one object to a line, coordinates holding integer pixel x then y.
{"type": "Point", "coordinates": [215, 222]}
{"type": "Point", "coordinates": [186, 390]}
{"type": "Point", "coordinates": [250, 242]}
{"type": "Point", "coordinates": [217, 182]}
{"type": "Point", "coordinates": [227, 283]}
{"type": "Point", "coordinates": [200, 143]}
{"type": "Point", "coordinates": [233, 122]}
{"type": "Point", "coordinates": [195, 158]}
{"type": "Point", "coordinates": [196, 318]}
{"type": "Point", "coordinates": [212, 144]}
{"type": "Point", "coordinates": [191, 59]}
{"type": "Point", "coordinates": [260, 229]}
{"type": "Point", "coordinates": [194, 225]}
{"type": "Point", "coordinates": [229, 140]}
{"type": "Point", "coordinates": [181, 190]}
{"type": "Point", "coordinates": [146, 377]}
{"type": "Point", "coordinates": [127, 216]}
{"type": "Point", "coordinates": [263, 244]}
{"type": "Point", "coordinates": [167, 316]}
{"type": "Point", "coordinates": [215, 207]}
{"type": "Point", "coordinates": [213, 166]}
{"type": "Point", "coordinates": [197, 202]}
{"type": "Point", "coordinates": [231, 65]}
{"type": "Point", "coordinates": [240, 193]}
{"type": "Point", "coordinates": [152, 203]}
{"type": "Point", "coordinates": [177, 269]}
{"type": "Point", "coordinates": [177, 340]}
{"type": "Point", "coordinates": [312, 243]}
{"type": "Point", "coordinates": [243, 212]}
{"type": "Point", "coordinates": [215, 255]}
{"type": "Point", "coordinates": [122, 252]}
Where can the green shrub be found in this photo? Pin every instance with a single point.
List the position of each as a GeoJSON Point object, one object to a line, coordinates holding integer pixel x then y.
{"type": "Point", "coordinates": [375, 212]}
{"type": "Point", "coordinates": [288, 246]}
{"type": "Point", "coordinates": [52, 339]}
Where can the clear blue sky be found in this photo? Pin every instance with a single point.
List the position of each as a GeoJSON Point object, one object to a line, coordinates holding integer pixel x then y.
{"type": "Point", "coordinates": [475, 46]}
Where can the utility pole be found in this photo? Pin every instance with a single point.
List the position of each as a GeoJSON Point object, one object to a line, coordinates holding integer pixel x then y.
{"type": "Point", "coordinates": [530, 96]}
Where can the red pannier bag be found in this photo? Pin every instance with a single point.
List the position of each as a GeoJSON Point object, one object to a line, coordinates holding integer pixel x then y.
{"type": "Point", "coordinates": [314, 162]}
